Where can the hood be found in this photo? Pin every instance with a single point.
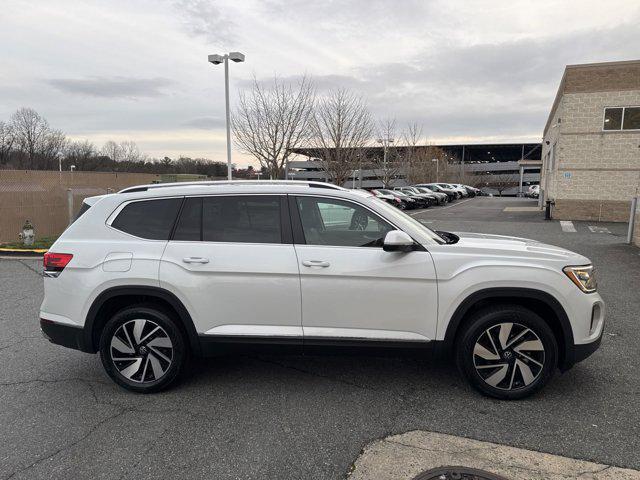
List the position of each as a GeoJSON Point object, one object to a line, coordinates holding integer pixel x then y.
{"type": "Point", "coordinates": [518, 247]}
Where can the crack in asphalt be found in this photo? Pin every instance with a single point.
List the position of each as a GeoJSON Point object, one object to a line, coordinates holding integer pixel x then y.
{"type": "Point", "coordinates": [122, 409]}
{"type": "Point", "coordinates": [314, 374]}
{"type": "Point", "coordinates": [150, 445]}
{"type": "Point", "coordinates": [69, 445]}
{"type": "Point", "coordinates": [456, 452]}
{"type": "Point", "coordinates": [22, 262]}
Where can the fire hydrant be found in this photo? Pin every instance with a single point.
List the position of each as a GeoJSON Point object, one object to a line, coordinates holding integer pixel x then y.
{"type": "Point", "coordinates": [28, 235]}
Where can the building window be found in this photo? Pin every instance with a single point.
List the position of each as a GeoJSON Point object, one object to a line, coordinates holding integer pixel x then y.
{"type": "Point", "coordinates": [621, 118]}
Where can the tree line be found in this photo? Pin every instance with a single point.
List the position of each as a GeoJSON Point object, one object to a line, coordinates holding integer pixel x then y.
{"type": "Point", "coordinates": [273, 121]}
{"type": "Point", "coordinates": [28, 142]}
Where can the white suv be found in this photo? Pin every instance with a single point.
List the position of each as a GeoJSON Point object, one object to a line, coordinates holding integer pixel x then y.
{"type": "Point", "coordinates": [153, 274]}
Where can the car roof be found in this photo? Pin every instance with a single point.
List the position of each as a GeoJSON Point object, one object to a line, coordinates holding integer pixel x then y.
{"type": "Point", "coordinates": [238, 187]}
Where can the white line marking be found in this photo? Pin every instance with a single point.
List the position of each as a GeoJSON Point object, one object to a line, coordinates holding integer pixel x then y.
{"type": "Point", "coordinates": [595, 229]}
{"type": "Point", "coordinates": [567, 226]}
{"type": "Point", "coordinates": [442, 208]}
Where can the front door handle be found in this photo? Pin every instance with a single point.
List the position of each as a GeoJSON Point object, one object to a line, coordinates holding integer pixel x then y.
{"type": "Point", "coordinates": [315, 263]}
{"type": "Point", "coordinates": [195, 260]}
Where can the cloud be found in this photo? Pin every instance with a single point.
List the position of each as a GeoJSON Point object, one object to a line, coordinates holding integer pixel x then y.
{"type": "Point", "coordinates": [205, 123]}
{"type": "Point", "coordinates": [112, 87]}
{"type": "Point", "coordinates": [203, 18]}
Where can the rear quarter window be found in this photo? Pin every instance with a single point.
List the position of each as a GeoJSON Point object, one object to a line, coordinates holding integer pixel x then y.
{"type": "Point", "coordinates": [150, 219]}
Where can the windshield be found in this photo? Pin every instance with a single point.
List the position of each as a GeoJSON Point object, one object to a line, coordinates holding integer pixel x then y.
{"type": "Point", "coordinates": [399, 217]}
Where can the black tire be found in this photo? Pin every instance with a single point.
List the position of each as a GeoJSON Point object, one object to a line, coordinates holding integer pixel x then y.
{"type": "Point", "coordinates": [481, 355]}
{"type": "Point", "coordinates": [150, 355]}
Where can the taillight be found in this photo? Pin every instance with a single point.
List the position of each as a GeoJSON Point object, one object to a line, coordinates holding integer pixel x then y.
{"type": "Point", "coordinates": [54, 263]}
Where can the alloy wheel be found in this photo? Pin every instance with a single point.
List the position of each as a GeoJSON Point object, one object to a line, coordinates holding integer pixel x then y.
{"type": "Point", "coordinates": [141, 351]}
{"type": "Point", "coordinates": [508, 356]}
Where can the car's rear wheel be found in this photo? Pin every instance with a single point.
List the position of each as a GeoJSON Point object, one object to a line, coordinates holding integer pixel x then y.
{"type": "Point", "coordinates": [142, 349]}
{"type": "Point", "coordinates": [507, 352]}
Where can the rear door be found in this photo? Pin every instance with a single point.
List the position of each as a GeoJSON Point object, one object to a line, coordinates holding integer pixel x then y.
{"type": "Point", "coordinates": [232, 262]}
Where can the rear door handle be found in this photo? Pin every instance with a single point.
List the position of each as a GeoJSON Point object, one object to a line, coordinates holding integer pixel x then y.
{"type": "Point", "coordinates": [315, 263]}
{"type": "Point", "coordinates": [195, 260]}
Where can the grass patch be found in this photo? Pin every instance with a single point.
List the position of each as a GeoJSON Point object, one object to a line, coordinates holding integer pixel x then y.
{"type": "Point", "coordinates": [44, 242]}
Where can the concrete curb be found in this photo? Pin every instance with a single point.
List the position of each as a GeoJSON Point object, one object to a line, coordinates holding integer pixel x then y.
{"type": "Point", "coordinates": [407, 455]}
{"type": "Point", "coordinates": [22, 252]}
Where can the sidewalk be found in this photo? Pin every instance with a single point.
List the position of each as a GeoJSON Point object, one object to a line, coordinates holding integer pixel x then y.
{"type": "Point", "coordinates": [404, 456]}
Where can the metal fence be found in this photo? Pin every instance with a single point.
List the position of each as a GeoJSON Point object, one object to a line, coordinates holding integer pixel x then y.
{"type": "Point", "coordinates": [47, 199]}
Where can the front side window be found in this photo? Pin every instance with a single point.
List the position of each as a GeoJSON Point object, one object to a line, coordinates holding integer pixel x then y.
{"type": "Point", "coordinates": [621, 118]}
{"type": "Point", "coordinates": [335, 222]}
{"type": "Point", "coordinates": [234, 219]}
{"type": "Point", "coordinates": [150, 219]}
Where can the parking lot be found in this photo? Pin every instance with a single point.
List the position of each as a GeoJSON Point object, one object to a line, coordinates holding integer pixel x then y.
{"type": "Point", "coordinates": [309, 417]}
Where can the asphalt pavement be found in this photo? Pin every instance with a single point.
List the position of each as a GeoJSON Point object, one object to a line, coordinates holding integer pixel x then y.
{"type": "Point", "coordinates": [290, 417]}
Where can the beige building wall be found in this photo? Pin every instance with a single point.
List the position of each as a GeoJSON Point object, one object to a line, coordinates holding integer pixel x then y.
{"type": "Point", "coordinates": [595, 173]}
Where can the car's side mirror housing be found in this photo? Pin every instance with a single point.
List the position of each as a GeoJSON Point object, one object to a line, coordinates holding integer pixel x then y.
{"type": "Point", "coordinates": [398, 241]}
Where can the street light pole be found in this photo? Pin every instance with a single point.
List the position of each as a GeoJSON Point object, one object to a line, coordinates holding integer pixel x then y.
{"type": "Point", "coordinates": [437, 168]}
{"type": "Point", "coordinates": [217, 60]}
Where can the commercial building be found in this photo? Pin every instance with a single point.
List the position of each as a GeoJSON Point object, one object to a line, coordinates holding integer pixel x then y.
{"type": "Point", "coordinates": [591, 144]}
{"type": "Point", "coordinates": [521, 161]}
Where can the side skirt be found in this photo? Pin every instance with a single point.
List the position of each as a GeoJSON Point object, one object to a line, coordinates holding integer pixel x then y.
{"type": "Point", "coordinates": [216, 345]}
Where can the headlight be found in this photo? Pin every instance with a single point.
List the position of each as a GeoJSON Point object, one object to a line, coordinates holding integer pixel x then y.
{"type": "Point", "coordinates": [584, 277]}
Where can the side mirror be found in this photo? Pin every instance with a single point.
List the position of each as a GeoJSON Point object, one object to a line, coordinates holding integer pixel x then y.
{"type": "Point", "coordinates": [398, 241]}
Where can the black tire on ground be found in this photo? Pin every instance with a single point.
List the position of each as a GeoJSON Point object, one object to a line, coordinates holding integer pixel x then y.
{"type": "Point", "coordinates": [523, 364]}
{"type": "Point", "coordinates": [152, 349]}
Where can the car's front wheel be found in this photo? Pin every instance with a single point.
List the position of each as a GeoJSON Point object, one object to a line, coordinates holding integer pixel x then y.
{"type": "Point", "coordinates": [507, 352]}
{"type": "Point", "coordinates": [142, 349]}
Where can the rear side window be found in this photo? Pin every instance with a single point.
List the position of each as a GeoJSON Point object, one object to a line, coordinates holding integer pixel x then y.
{"type": "Point", "coordinates": [235, 219]}
{"type": "Point", "coordinates": [151, 219]}
{"type": "Point", "coordinates": [85, 206]}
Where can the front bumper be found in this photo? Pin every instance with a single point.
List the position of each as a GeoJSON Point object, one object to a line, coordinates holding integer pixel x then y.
{"type": "Point", "coordinates": [584, 350]}
{"type": "Point", "coordinates": [66, 335]}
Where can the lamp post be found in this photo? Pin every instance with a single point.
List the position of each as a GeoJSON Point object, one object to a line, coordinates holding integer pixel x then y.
{"type": "Point", "coordinates": [437, 168]}
{"type": "Point", "coordinates": [217, 60]}
{"type": "Point", "coordinates": [385, 144]}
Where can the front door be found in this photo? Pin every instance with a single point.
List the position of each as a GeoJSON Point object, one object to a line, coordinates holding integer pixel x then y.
{"type": "Point", "coordinates": [232, 263]}
{"type": "Point", "coordinates": [351, 287]}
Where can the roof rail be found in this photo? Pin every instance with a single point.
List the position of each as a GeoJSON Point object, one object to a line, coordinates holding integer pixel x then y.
{"type": "Point", "coordinates": [214, 183]}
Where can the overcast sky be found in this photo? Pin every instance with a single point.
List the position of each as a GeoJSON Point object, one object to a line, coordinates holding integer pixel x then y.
{"type": "Point", "coordinates": [468, 71]}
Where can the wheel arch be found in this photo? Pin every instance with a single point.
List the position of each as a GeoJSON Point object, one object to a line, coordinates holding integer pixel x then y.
{"type": "Point", "coordinates": [540, 302]}
{"type": "Point", "coordinates": [115, 298]}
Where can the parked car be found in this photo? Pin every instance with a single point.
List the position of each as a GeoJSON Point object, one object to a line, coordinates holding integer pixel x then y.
{"type": "Point", "coordinates": [421, 201]}
{"type": "Point", "coordinates": [392, 199]}
{"type": "Point", "coordinates": [533, 191]}
{"type": "Point", "coordinates": [402, 202]}
{"type": "Point", "coordinates": [452, 194]}
{"type": "Point", "coordinates": [441, 197]}
{"type": "Point", "coordinates": [459, 190]}
{"type": "Point", "coordinates": [430, 198]}
{"type": "Point", "coordinates": [476, 191]}
{"type": "Point", "coordinates": [469, 191]}
{"type": "Point", "coordinates": [157, 273]}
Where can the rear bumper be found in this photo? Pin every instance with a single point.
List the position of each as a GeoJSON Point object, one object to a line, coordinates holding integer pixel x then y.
{"type": "Point", "coordinates": [66, 335]}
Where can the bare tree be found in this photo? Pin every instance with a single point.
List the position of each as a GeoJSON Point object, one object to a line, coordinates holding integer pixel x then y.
{"type": "Point", "coordinates": [501, 182]}
{"type": "Point", "coordinates": [30, 131]}
{"type": "Point", "coordinates": [130, 152]}
{"type": "Point", "coordinates": [271, 121]}
{"type": "Point", "coordinates": [341, 130]}
{"type": "Point", "coordinates": [388, 165]}
{"type": "Point", "coordinates": [112, 150]}
{"type": "Point", "coordinates": [7, 140]}
{"type": "Point", "coordinates": [52, 148]}
{"type": "Point", "coordinates": [79, 151]}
